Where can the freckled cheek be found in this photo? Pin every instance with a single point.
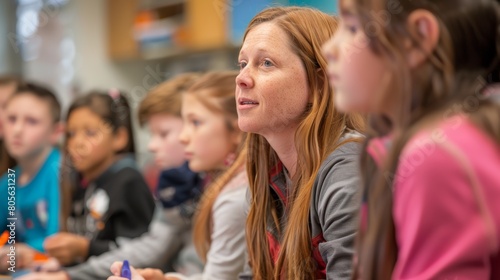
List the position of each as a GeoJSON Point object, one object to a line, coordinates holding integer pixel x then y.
{"type": "Point", "coordinates": [274, 103]}
{"type": "Point", "coordinates": [284, 108]}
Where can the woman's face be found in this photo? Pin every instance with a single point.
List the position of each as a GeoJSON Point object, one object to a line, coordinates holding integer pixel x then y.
{"type": "Point", "coordinates": [206, 136]}
{"type": "Point", "coordinates": [272, 88]}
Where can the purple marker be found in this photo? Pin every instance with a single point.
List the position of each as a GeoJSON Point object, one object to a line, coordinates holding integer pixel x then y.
{"type": "Point", "coordinates": [125, 272]}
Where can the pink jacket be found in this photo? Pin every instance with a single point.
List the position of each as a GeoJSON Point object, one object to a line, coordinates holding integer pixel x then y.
{"type": "Point", "coordinates": [447, 204]}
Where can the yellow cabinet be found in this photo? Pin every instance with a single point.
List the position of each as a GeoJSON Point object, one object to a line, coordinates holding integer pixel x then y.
{"type": "Point", "coordinates": [204, 26]}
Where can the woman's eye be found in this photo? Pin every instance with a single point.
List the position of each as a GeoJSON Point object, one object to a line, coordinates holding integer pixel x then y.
{"type": "Point", "coordinates": [267, 63]}
{"type": "Point", "coordinates": [242, 64]}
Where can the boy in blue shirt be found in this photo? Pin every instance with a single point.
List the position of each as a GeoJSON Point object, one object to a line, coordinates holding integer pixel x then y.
{"type": "Point", "coordinates": [31, 129]}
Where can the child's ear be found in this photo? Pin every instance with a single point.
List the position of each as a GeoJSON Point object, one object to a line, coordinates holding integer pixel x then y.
{"type": "Point", "coordinates": [120, 139]}
{"type": "Point", "coordinates": [57, 133]}
{"type": "Point", "coordinates": [424, 28]}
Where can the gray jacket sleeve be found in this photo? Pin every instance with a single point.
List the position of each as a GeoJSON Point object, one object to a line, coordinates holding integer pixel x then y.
{"type": "Point", "coordinates": [152, 249]}
{"type": "Point", "coordinates": [226, 256]}
{"type": "Point", "coordinates": [247, 271]}
{"type": "Point", "coordinates": [336, 201]}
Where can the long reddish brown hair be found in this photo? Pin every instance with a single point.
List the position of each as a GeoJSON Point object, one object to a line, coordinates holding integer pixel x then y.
{"type": "Point", "coordinates": [317, 136]}
{"type": "Point", "coordinates": [448, 78]}
{"type": "Point", "coordinates": [215, 90]}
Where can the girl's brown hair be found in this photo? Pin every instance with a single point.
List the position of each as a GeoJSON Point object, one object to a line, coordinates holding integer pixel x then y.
{"type": "Point", "coordinates": [467, 51]}
{"type": "Point", "coordinates": [317, 136]}
{"type": "Point", "coordinates": [215, 90]}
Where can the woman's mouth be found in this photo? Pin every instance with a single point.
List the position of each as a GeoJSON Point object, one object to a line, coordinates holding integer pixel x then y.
{"type": "Point", "coordinates": [245, 103]}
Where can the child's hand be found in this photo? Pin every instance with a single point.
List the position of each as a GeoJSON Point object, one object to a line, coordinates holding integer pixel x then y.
{"type": "Point", "coordinates": [151, 274]}
{"type": "Point", "coordinates": [45, 276]}
{"type": "Point", "coordinates": [66, 247]}
{"type": "Point", "coordinates": [171, 278]}
{"type": "Point", "coordinates": [4, 265]}
{"type": "Point", "coordinates": [116, 269]}
{"type": "Point", "coordinates": [50, 265]}
{"type": "Point", "coordinates": [24, 256]}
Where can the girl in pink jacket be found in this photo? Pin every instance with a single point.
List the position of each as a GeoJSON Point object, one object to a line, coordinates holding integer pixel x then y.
{"type": "Point", "coordinates": [421, 70]}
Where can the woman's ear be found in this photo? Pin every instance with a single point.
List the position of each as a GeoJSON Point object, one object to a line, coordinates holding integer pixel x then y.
{"type": "Point", "coordinates": [424, 29]}
{"type": "Point", "coordinates": [120, 139]}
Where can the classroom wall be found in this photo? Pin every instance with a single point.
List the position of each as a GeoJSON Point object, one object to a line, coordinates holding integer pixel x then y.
{"type": "Point", "coordinates": [95, 70]}
{"type": "Point", "coordinates": [69, 53]}
{"type": "Point", "coordinates": [10, 60]}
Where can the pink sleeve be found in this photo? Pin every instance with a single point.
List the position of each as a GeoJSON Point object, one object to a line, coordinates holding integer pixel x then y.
{"type": "Point", "coordinates": [440, 230]}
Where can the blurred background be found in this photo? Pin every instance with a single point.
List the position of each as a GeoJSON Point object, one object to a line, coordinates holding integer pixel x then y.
{"type": "Point", "coordinates": [78, 45]}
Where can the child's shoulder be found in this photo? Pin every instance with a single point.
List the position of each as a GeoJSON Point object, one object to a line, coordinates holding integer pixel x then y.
{"type": "Point", "coordinates": [238, 182]}
{"type": "Point", "coordinates": [124, 176]}
{"type": "Point", "coordinates": [49, 172]}
{"type": "Point", "coordinates": [53, 161]}
{"type": "Point", "coordinates": [55, 154]}
{"type": "Point", "coordinates": [3, 180]}
{"type": "Point", "coordinates": [447, 147]}
{"type": "Point", "coordinates": [454, 132]}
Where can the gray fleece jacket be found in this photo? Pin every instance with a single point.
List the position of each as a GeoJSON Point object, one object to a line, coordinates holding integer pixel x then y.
{"type": "Point", "coordinates": [333, 212]}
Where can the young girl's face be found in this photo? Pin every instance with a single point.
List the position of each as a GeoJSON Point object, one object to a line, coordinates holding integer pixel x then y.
{"type": "Point", "coordinates": [164, 142]}
{"type": "Point", "coordinates": [206, 136]}
{"type": "Point", "coordinates": [358, 75]}
{"type": "Point", "coordinates": [90, 141]}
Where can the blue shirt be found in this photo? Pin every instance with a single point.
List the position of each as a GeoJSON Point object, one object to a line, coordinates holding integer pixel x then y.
{"type": "Point", "coordinates": [37, 203]}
